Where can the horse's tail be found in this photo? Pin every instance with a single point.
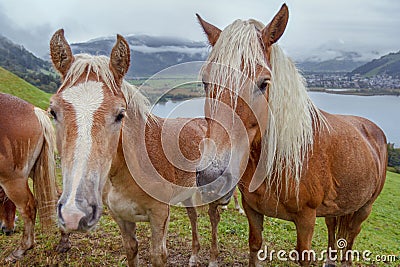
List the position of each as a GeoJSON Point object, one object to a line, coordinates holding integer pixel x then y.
{"type": "Point", "coordinates": [44, 174]}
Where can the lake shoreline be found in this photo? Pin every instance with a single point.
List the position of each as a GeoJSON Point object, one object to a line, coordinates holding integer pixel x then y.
{"type": "Point", "coordinates": [357, 92]}
{"type": "Point", "coordinates": [381, 109]}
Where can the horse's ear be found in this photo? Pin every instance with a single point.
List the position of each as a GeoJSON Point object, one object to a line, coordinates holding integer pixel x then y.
{"type": "Point", "coordinates": [274, 30]}
{"type": "Point", "coordinates": [120, 58]}
{"type": "Point", "coordinates": [210, 30]}
{"type": "Point", "coordinates": [60, 52]}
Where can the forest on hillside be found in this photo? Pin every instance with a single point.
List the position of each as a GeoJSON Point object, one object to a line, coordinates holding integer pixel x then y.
{"type": "Point", "coordinates": [394, 158]}
{"type": "Point", "coordinates": [24, 64]}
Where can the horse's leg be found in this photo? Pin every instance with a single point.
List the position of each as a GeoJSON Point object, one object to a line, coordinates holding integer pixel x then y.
{"type": "Point", "coordinates": [331, 225]}
{"type": "Point", "coordinates": [237, 205]}
{"type": "Point", "coordinates": [195, 236]}
{"type": "Point", "coordinates": [19, 193]}
{"type": "Point", "coordinates": [255, 220]}
{"type": "Point", "coordinates": [7, 213]}
{"type": "Point", "coordinates": [305, 222]}
{"type": "Point", "coordinates": [159, 220]}
{"type": "Point", "coordinates": [129, 241]}
{"type": "Point", "coordinates": [351, 227]}
{"type": "Point", "coordinates": [3, 215]}
{"type": "Point", "coordinates": [64, 244]}
{"type": "Point", "coordinates": [213, 213]}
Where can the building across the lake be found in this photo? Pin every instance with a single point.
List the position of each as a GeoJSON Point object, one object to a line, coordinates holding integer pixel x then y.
{"type": "Point", "coordinates": [342, 80]}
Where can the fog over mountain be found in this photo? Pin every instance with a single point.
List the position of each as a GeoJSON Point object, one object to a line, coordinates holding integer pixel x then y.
{"type": "Point", "coordinates": [151, 54]}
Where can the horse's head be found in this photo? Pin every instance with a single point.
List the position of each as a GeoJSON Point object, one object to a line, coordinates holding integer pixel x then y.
{"type": "Point", "coordinates": [88, 111]}
{"type": "Point", "coordinates": [237, 78]}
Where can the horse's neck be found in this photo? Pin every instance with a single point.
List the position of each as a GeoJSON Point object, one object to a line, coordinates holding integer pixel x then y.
{"type": "Point", "coordinates": [132, 152]}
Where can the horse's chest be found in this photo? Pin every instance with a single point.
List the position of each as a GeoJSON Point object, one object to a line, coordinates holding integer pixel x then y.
{"type": "Point", "coordinates": [126, 208]}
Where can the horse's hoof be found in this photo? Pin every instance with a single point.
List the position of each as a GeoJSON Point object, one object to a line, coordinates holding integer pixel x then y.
{"type": "Point", "coordinates": [193, 261]}
{"type": "Point", "coordinates": [10, 259]}
{"type": "Point", "coordinates": [224, 207]}
{"type": "Point", "coordinates": [63, 247]}
{"type": "Point", "coordinates": [241, 211]}
{"type": "Point", "coordinates": [14, 256]}
{"type": "Point", "coordinates": [8, 233]}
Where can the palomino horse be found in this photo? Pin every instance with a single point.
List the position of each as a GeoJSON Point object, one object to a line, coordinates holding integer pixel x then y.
{"type": "Point", "coordinates": [294, 161]}
{"type": "Point", "coordinates": [111, 150]}
{"type": "Point", "coordinates": [236, 201]}
{"type": "Point", "coordinates": [7, 213]}
{"type": "Point", "coordinates": [27, 149]}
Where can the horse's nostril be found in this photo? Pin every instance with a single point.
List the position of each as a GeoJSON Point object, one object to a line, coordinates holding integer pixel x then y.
{"type": "Point", "coordinates": [93, 218]}
{"type": "Point", "coordinates": [198, 175]}
{"type": "Point", "coordinates": [60, 218]}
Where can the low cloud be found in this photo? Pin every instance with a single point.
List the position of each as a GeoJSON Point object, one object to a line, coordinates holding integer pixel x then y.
{"type": "Point", "coordinates": [34, 40]}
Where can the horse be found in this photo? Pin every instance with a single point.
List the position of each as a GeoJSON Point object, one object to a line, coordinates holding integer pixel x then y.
{"type": "Point", "coordinates": [290, 159]}
{"type": "Point", "coordinates": [115, 152]}
{"type": "Point", "coordinates": [7, 214]}
{"type": "Point", "coordinates": [27, 149]}
{"type": "Point", "coordinates": [236, 201]}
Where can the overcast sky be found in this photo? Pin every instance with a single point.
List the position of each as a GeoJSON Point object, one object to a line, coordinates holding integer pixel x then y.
{"type": "Point", "coordinates": [362, 25]}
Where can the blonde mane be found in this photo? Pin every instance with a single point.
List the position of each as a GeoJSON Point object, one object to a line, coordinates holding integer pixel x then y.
{"type": "Point", "coordinates": [137, 102]}
{"type": "Point", "coordinates": [293, 117]}
{"type": "Point", "coordinates": [99, 65]}
{"type": "Point", "coordinates": [235, 57]}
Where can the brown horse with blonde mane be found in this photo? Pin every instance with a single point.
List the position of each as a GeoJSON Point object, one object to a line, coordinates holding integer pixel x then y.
{"type": "Point", "coordinates": [294, 161]}
{"type": "Point", "coordinates": [115, 152]}
{"type": "Point", "coordinates": [27, 149]}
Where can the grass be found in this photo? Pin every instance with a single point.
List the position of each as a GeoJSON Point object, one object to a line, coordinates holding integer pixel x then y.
{"type": "Point", "coordinates": [103, 247]}
{"type": "Point", "coordinates": [168, 88]}
{"type": "Point", "coordinates": [12, 84]}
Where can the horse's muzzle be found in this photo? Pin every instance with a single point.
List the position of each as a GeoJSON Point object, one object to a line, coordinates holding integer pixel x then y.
{"type": "Point", "coordinates": [72, 220]}
{"type": "Point", "coordinates": [214, 185]}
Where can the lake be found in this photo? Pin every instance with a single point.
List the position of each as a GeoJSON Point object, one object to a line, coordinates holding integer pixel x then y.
{"type": "Point", "coordinates": [383, 110]}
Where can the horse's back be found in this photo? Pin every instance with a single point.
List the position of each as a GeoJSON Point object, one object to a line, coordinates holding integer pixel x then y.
{"type": "Point", "coordinates": [20, 131]}
{"type": "Point", "coordinates": [17, 117]}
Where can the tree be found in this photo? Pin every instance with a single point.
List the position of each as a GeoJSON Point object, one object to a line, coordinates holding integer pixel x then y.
{"type": "Point", "coordinates": [394, 157]}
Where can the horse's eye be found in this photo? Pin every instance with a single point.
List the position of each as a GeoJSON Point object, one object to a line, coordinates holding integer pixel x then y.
{"type": "Point", "coordinates": [206, 87]}
{"type": "Point", "coordinates": [120, 116]}
{"type": "Point", "coordinates": [264, 85]}
{"type": "Point", "coordinates": [53, 114]}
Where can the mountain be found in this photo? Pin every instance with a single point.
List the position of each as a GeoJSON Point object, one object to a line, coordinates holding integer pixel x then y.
{"type": "Point", "coordinates": [13, 85]}
{"type": "Point", "coordinates": [327, 59]}
{"type": "Point", "coordinates": [149, 54]}
{"type": "Point", "coordinates": [332, 65]}
{"type": "Point", "coordinates": [27, 66]}
{"type": "Point", "coordinates": [386, 65]}
{"type": "Point", "coordinates": [334, 56]}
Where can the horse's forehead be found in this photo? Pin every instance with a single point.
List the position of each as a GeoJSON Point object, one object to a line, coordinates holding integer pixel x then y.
{"type": "Point", "coordinates": [84, 97]}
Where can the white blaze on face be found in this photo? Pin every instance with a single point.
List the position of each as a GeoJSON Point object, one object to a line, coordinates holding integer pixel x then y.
{"type": "Point", "coordinates": [85, 98]}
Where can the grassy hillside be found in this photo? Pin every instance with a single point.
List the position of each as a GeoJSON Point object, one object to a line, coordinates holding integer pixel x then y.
{"type": "Point", "coordinates": [16, 59]}
{"type": "Point", "coordinates": [12, 84]}
{"type": "Point", "coordinates": [103, 246]}
{"type": "Point", "coordinates": [388, 64]}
